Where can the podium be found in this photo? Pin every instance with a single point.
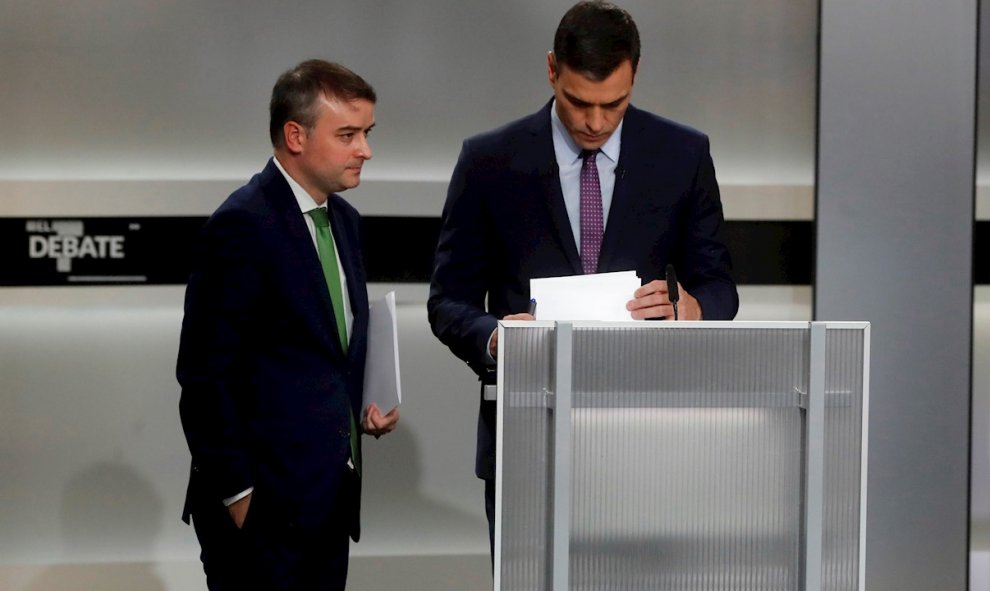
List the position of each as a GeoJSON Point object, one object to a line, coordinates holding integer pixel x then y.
{"type": "Point", "coordinates": [681, 456]}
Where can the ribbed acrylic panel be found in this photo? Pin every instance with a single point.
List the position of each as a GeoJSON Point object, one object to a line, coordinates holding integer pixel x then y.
{"type": "Point", "coordinates": [843, 459]}
{"type": "Point", "coordinates": [687, 459]}
{"type": "Point", "coordinates": [527, 457]}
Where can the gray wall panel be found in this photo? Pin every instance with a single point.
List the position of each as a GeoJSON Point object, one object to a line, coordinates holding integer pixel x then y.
{"type": "Point", "coordinates": [159, 107]}
{"type": "Point", "coordinates": [146, 89]}
{"type": "Point", "coordinates": [895, 211]}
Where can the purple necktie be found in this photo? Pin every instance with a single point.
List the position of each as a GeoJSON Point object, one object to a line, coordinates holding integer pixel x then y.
{"type": "Point", "coordinates": [592, 221]}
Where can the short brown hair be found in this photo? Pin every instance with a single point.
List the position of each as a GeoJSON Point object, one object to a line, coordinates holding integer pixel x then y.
{"type": "Point", "coordinates": [297, 91]}
{"type": "Point", "coordinates": [594, 38]}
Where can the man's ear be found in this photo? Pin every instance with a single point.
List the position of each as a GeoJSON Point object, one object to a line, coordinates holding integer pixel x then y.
{"type": "Point", "coordinates": [551, 68]}
{"type": "Point", "coordinates": [295, 137]}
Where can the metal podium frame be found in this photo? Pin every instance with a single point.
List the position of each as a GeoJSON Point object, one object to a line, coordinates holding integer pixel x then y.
{"type": "Point", "coordinates": [557, 345]}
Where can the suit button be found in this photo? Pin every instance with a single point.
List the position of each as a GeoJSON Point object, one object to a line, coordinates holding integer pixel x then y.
{"type": "Point", "coordinates": [344, 432]}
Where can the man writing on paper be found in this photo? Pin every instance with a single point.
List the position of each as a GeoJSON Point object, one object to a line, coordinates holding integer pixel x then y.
{"type": "Point", "coordinates": [273, 347]}
{"type": "Point", "coordinates": [587, 184]}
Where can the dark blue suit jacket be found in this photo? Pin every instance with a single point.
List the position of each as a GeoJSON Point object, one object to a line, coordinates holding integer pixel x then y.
{"type": "Point", "coordinates": [505, 223]}
{"type": "Point", "coordinates": [266, 386]}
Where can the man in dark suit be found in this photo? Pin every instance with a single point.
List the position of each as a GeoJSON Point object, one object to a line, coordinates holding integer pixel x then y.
{"type": "Point", "coordinates": [272, 353]}
{"type": "Point", "coordinates": [587, 184]}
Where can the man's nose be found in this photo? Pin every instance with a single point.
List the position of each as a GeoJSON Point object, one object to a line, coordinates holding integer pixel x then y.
{"type": "Point", "coordinates": [594, 120]}
{"type": "Point", "coordinates": [364, 148]}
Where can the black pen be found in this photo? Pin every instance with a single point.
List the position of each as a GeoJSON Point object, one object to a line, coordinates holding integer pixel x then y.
{"type": "Point", "coordinates": [532, 307]}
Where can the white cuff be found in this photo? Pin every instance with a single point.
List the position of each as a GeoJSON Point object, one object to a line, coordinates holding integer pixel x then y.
{"type": "Point", "coordinates": [230, 501]}
{"type": "Point", "coordinates": [488, 349]}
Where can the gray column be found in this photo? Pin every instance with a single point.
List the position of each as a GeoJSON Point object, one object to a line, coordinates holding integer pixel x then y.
{"type": "Point", "coordinates": [895, 218]}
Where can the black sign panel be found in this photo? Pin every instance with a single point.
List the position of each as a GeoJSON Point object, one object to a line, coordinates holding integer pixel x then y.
{"type": "Point", "coordinates": [97, 251]}
{"type": "Point", "coordinates": [159, 250]}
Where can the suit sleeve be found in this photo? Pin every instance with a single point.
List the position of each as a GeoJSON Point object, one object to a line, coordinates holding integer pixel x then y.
{"type": "Point", "coordinates": [704, 265]}
{"type": "Point", "coordinates": [219, 305]}
{"type": "Point", "coordinates": [462, 269]}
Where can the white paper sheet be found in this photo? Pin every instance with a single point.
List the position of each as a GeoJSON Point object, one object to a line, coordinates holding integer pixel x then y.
{"type": "Point", "coordinates": [600, 296]}
{"type": "Point", "coordinates": [382, 384]}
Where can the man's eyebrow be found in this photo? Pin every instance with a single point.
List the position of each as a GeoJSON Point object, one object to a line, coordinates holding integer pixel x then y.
{"type": "Point", "coordinates": [350, 128]}
{"type": "Point", "coordinates": [575, 100]}
{"type": "Point", "coordinates": [617, 101]}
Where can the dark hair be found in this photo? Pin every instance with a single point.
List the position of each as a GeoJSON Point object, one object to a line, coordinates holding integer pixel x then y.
{"type": "Point", "coordinates": [594, 38]}
{"type": "Point", "coordinates": [295, 95]}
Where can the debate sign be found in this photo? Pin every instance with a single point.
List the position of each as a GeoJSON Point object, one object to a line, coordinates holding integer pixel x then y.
{"type": "Point", "coordinates": [97, 251]}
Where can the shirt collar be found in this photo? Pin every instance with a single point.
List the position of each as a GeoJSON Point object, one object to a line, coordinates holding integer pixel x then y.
{"type": "Point", "coordinates": [569, 151]}
{"type": "Point", "coordinates": [306, 202]}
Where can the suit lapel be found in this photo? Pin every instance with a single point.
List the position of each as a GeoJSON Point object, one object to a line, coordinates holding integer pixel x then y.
{"type": "Point", "coordinates": [549, 178]}
{"type": "Point", "coordinates": [349, 253]}
{"type": "Point", "coordinates": [617, 224]}
{"type": "Point", "coordinates": [310, 287]}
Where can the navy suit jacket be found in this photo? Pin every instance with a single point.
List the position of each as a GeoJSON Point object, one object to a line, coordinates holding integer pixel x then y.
{"type": "Point", "coordinates": [266, 386]}
{"type": "Point", "coordinates": [504, 223]}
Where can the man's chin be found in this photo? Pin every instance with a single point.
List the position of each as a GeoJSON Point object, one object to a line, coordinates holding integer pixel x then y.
{"type": "Point", "coordinates": [349, 181]}
{"type": "Point", "coordinates": [591, 143]}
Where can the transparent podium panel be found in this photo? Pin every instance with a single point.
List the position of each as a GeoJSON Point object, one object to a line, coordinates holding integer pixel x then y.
{"type": "Point", "coordinates": [844, 514]}
{"type": "Point", "coordinates": [680, 456]}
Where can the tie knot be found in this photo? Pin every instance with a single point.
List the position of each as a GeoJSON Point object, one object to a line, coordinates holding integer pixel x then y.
{"type": "Point", "coordinates": [589, 155]}
{"type": "Point", "coordinates": [320, 217]}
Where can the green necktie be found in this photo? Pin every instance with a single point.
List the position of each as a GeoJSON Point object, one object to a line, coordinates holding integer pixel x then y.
{"type": "Point", "coordinates": [328, 260]}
